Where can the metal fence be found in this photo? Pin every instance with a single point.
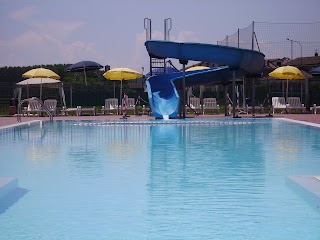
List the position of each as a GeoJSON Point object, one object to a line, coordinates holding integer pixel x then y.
{"type": "Point", "coordinates": [278, 40]}
{"type": "Point", "coordinates": [75, 94]}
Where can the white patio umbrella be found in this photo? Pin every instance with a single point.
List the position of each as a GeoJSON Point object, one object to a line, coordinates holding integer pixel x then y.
{"type": "Point", "coordinates": [41, 73]}
{"type": "Point", "coordinates": [40, 82]}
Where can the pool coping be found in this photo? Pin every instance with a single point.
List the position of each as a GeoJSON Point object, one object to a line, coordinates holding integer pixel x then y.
{"type": "Point", "coordinates": [308, 188]}
{"type": "Point", "coordinates": [29, 123]}
{"type": "Point", "coordinates": [300, 122]}
{"type": "Point", "coordinates": [7, 185]}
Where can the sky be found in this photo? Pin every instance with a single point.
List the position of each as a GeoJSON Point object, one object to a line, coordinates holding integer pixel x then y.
{"type": "Point", "coordinates": [40, 32]}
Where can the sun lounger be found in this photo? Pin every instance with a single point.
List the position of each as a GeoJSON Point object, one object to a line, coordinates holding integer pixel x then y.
{"type": "Point", "coordinates": [258, 109]}
{"type": "Point", "coordinates": [66, 111]}
{"type": "Point", "coordinates": [110, 105]}
{"type": "Point", "coordinates": [34, 107]}
{"type": "Point", "coordinates": [279, 103]}
{"type": "Point", "coordinates": [239, 110]}
{"type": "Point", "coordinates": [51, 105]}
{"type": "Point", "coordinates": [131, 106]}
{"type": "Point", "coordinates": [294, 103]}
{"type": "Point", "coordinates": [194, 104]}
{"type": "Point", "coordinates": [210, 104]}
{"type": "Point", "coordinates": [314, 108]}
{"type": "Point", "coordinates": [91, 110]}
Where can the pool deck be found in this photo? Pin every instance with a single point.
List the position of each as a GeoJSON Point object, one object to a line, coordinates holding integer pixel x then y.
{"type": "Point", "coordinates": [310, 118]}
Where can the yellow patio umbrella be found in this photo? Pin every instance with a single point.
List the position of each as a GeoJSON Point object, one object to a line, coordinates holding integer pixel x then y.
{"type": "Point", "coordinates": [122, 74]}
{"type": "Point", "coordinates": [41, 73]}
{"type": "Point", "coordinates": [287, 73]}
{"type": "Point", "coordinates": [195, 68]}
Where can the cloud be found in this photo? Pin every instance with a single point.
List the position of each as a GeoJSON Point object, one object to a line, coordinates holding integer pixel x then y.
{"type": "Point", "coordinates": [52, 41]}
{"type": "Point", "coordinates": [24, 14]}
{"type": "Point", "coordinates": [45, 42]}
{"type": "Point", "coordinates": [28, 15]}
{"type": "Point", "coordinates": [58, 28]}
{"type": "Point", "coordinates": [141, 58]}
{"type": "Point", "coordinates": [186, 36]}
{"type": "Point", "coordinates": [33, 48]}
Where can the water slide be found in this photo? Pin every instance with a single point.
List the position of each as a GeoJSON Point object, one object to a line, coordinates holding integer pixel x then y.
{"type": "Point", "coordinates": [163, 89]}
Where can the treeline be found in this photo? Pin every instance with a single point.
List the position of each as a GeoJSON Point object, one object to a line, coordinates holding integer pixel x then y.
{"type": "Point", "coordinates": [14, 74]}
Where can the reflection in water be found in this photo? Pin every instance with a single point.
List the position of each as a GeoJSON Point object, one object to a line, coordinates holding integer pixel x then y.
{"type": "Point", "coordinates": [207, 172]}
{"type": "Point", "coordinates": [162, 181]}
{"type": "Point", "coordinates": [93, 146]}
{"type": "Point", "coordinates": [125, 141]}
{"type": "Point", "coordinates": [206, 150]}
{"type": "Point", "coordinates": [287, 141]}
{"type": "Point", "coordinates": [41, 143]}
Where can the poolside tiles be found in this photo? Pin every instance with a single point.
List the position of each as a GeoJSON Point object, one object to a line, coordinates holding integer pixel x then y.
{"type": "Point", "coordinates": [7, 185]}
{"type": "Point", "coordinates": [310, 188]}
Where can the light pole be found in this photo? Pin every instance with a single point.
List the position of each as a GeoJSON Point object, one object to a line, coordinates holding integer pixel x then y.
{"type": "Point", "coordinates": [292, 41]}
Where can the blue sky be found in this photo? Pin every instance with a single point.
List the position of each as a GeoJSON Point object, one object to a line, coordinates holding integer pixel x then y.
{"type": "Point", "coordinates": [112, 32]}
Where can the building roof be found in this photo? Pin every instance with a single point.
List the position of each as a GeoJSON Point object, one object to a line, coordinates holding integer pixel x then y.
{"type": "Point", "coordinates": [305, 61]}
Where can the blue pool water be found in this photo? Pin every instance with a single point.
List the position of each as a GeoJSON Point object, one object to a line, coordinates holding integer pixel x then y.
{"type": "Point", "coordinates": [204, 179]}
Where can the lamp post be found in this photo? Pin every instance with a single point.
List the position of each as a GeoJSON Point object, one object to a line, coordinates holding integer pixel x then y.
{"type": "Point", "coordinates": [292, 41]}
{"type": "Point", "coordinates": [307, 85]}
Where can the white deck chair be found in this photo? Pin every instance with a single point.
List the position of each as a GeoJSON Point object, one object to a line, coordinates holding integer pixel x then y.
{"type": "Point", "coordinates": [110, 105]}
{"type": "Point", "coordinates": [210, 104]}
{"type": "Point", "coordinates": [278, 103]}
{"type": "Point", "coordinates": [131, 105]}
{"type": "Point", "coordinates": [33, 107]}
{"type": "Point", "coordinates": [294, 103]}
{"type": "Point", "coordinates": [51, 105]}
{"type": "Point", "coordinates": [91, 110]}
{"type": "Point", "coordinates": [314, 108]}
{"type": "Point", "coordinates": [260, 109]}
{"type": "Point", "coordinates": [66, 111]}
{"type": "Point", "coordinates": [194, 103]}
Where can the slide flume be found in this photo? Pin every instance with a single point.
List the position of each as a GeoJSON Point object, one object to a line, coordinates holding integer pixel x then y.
{"type": "Point", "coordinates": [163, 89]}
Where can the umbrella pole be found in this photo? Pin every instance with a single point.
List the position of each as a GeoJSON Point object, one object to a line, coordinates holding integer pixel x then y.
{"type": "Point", "coordinates": [120, 95]}
{"type": "Point", "coordinates": [85, 76]}
{"type": "Point", "coordinates": [41, 90]}
{"type": "Point", "coordinates": [287, 90]}
{"type": "Point", "coordinates": [114, 90]}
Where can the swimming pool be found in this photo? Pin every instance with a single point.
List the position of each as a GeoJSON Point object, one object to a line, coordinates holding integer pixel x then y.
{"type": "Point", "coordinates": [186, 179]}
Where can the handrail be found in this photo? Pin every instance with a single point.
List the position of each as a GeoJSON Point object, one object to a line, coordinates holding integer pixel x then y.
{"type": "Point", "coordinates": [44, 107]}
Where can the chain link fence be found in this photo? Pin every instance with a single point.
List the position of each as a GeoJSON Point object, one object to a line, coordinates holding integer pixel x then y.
{"type": "Point", "coordinates": [275, 39]}
{"type": "Point", "coordinates": [75, 95]}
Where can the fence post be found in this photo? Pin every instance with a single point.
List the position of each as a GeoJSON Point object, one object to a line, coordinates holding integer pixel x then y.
{"type": "Point", "coordinates": [252, 44]}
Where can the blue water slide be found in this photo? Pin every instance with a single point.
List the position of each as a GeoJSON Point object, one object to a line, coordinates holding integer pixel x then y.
{"type": "Point", "coordinates": [163, 96]}
{"type": "Point", "coordinates": [162, 89]}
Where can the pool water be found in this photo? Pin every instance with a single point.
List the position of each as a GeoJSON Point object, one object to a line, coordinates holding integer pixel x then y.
{"type": "Point", "coordinates": [186, 179]}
